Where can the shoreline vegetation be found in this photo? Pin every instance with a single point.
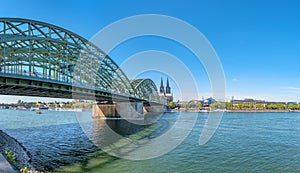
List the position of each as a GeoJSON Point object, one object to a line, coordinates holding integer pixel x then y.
{"type": "Point", "coordinates": [55, 106]}
{"type": "Point", "coordinates": [234, 107]}
{"type": "Point", "coordinates": [233, 110]}
{"type": "Point", "coordinates": [191, 106]}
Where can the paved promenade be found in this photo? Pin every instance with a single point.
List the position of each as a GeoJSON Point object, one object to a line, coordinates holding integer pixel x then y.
{"type": "Point", "coordinates": [5, 167]}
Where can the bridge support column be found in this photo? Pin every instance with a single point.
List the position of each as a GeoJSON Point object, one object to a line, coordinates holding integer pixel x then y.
{"type": "Point", "coordinates": [130, 110]}
{"type": "Point", "coordinates": [154, 110]}
{"type": "Point", "coordinates": [104, 111]}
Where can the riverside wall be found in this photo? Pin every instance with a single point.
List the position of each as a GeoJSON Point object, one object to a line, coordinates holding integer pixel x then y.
{"type": "Point", "coordinates": [23, 158]}
{"type": "Point", "coordinates": [236, 110]}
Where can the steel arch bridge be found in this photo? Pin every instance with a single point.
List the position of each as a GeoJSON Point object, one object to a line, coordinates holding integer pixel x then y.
{"type": "Point", "coordinates": [40, 59]}
{"type": "Point", "coordinates": [146, 88]}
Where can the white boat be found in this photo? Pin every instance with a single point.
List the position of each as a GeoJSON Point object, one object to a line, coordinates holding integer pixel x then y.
{"type": "Point", "coordinates": [220, 110]}
{"type": "Point", "coordinates": [20, 108]}
{"type": "Point", "coordinates": [34, 108]}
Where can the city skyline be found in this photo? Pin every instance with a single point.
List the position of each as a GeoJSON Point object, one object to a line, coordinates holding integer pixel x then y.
{"type": "Point", "coordinates": [257, 42]}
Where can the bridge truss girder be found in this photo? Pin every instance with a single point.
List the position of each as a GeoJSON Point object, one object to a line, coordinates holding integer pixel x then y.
{"type": "Point", "coordinates": [146, 89]}
{"type": "Point", "coordinates": [36, 49]}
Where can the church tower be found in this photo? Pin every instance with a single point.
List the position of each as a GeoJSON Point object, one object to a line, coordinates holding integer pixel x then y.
{"type": "Point", "coordinates": [169, 95]}
{"type": "Point", "coordinates": [168, 89]}
{"type": "Point", "coordinates": [161, 89]}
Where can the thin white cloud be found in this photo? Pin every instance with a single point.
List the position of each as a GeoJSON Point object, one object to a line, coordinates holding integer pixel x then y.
{"type": "Point", "coordinates": [285, 96]}
{"type": "Point", "coordinates": [293, 88]}
{"type": "Point", "coordinates": [234, 80]}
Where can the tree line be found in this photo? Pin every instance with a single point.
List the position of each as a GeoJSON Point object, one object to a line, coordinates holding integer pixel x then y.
{"type": "Point", "coordinates": [229, 105]}
{"type": "Point", "coordinates": [54, 105]}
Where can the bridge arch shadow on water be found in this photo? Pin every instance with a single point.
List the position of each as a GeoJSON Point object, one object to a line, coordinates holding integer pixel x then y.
{"type": "Point", "coordinates": [40, 59]}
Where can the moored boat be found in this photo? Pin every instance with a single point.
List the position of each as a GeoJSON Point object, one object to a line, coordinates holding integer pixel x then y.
{"type": "Point", "coordinates": [38, 112]}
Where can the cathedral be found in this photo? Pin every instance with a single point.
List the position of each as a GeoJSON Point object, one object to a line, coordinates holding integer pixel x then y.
{"type": "Point", "coordinates": [168, 95]}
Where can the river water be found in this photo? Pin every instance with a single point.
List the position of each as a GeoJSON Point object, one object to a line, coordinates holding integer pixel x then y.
{"type": "Point", "coordinates": [244, 142]}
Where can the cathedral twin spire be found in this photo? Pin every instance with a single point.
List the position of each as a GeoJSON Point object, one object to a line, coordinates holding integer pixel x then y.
{"type": "Point", "coordinates": [168, 95]}
{"type": "Point", "coordinates": [162, 89]}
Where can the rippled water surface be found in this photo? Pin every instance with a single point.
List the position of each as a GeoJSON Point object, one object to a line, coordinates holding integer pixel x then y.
{"type": "Point", "coordinates": [244, 142]}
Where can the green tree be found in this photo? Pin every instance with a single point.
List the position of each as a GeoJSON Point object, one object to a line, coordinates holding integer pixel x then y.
{"type": "Point", "coordinates": [185, 105]}
{"type": "Point", "coordinates": [282, 106]}
{"type": "Point", "coordinates": [68, 105]}
{"type": "Point", "coordinates": [34, 105]}
{"type": "Point", "coordinates": [294, 106]}
{"type": "Point", "coordinates": [88, 106]}
{"type": "Point", "coordinates": [246, 106]}
{"type": "Point", "coordinates": [172, 105]}
{"type": "Point", "coordinates": [240, 106]}
{"type": "Point", "coordinates": [235, 106]}
{"type": "Point", "coordinates": [229, 105]}
{"type": "Point", "coordinates": [251, 106]}
{"type": "Point", "coordinates": [51, 105]}
{"type": "Point", "coordinates": [217, 105]}
{"type": "Point", "coordinates": [276, 106]}
{"type": "Point", "coordinates": [260, 106]}
{"type": "Point", "coordinates": [199, 105]}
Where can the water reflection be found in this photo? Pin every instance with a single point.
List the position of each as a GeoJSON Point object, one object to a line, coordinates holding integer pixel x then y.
{"type": "Point", "coordinates": [102, 132]}
{"type": "Point", "coordinates": [251, 142]}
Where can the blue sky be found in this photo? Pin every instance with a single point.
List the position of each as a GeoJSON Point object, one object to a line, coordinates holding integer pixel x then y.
{"type": "Point", "coordinates": [258, 42]}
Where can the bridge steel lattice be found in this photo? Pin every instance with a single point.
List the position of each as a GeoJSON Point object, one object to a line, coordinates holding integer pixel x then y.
{"type": "Point", "coordinates": [40, 59]}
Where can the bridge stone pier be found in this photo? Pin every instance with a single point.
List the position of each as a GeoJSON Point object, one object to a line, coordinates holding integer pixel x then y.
{"type": "Point", "coordinates": [154, 109]}
{"type": "Point", "coordinates": [126, 110]}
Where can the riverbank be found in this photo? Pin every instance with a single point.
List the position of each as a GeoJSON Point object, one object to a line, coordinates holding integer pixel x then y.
{"type": "Point", "coordinates": [261, 110]}
{"type": "Point", "coordinates": [5, 166]}
{"type": "Point", "coordinates": [23, 158]}
{"type": "Point", "coordinates": [237, 110]}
